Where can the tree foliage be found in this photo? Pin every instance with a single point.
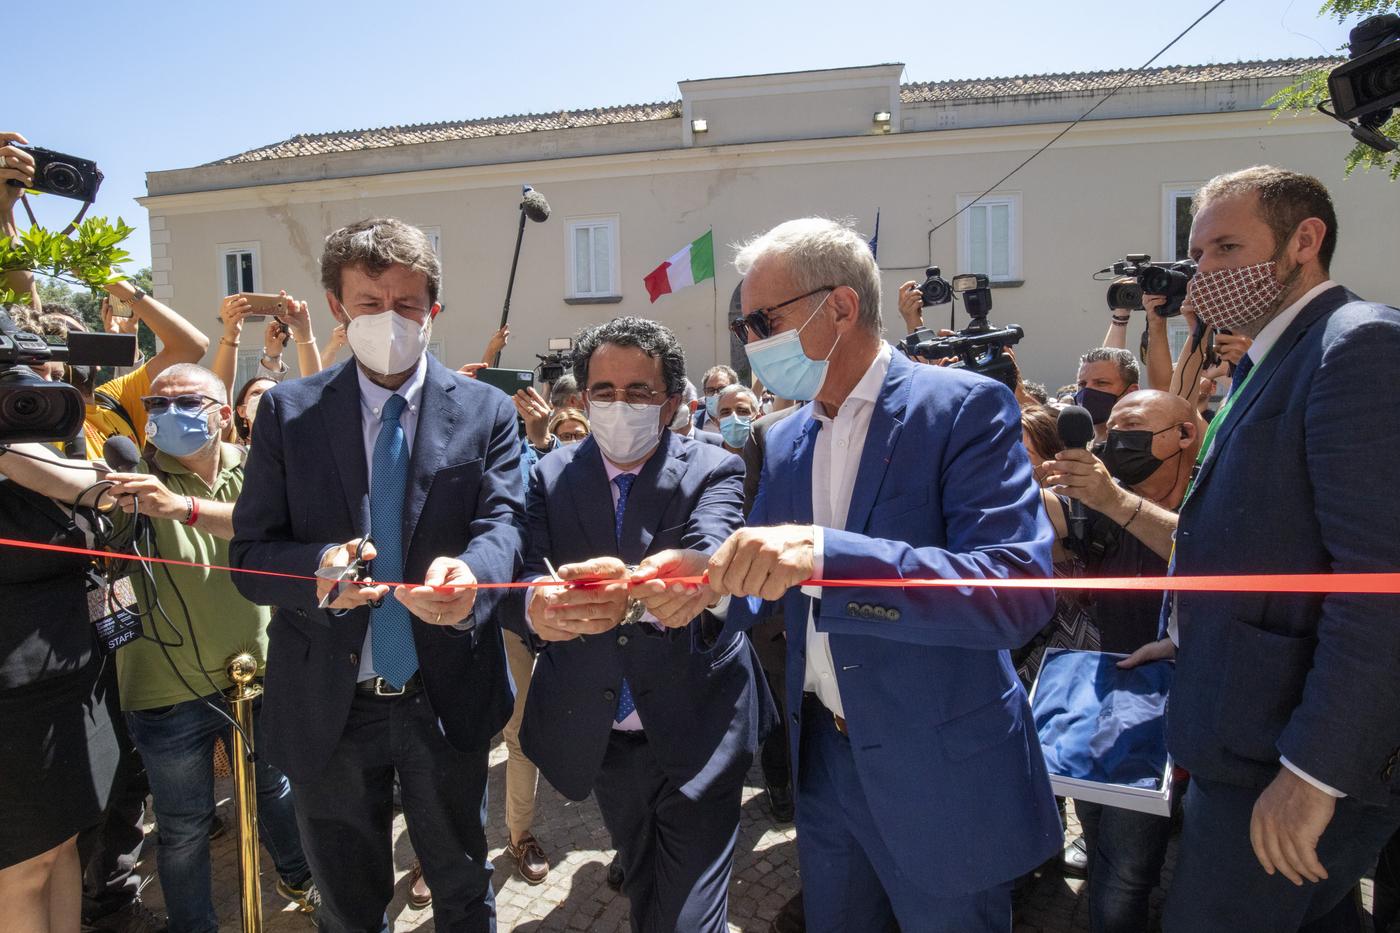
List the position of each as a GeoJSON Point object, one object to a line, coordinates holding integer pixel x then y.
{"type": "Point", "coordinates": [1311, 89]}
{"type": "Point", "coordinates": [90, 257]}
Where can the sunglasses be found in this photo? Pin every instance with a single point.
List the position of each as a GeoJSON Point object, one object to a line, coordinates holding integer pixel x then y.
{"type": "Point", "coordinates": [759, 321]}
{"type": "Point", "coordinates": [189, 404]}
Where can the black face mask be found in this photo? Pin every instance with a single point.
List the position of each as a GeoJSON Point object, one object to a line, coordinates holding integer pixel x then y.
{"type": "Point", "coordinates": [1098, 403]}
{"type": "Point", "coordinates": [1128, 455]}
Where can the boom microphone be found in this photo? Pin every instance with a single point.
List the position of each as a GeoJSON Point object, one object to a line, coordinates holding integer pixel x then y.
{"type": "Point", "coordinates": [121, 454]}
{"type": "Point", "coordinates": [1076, 429]}
{"type": "Point", "coordinates": [534, 205]}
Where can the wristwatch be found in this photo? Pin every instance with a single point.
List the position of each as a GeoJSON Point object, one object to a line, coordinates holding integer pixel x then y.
{"type": "Point", "coordinates": [635, 610]}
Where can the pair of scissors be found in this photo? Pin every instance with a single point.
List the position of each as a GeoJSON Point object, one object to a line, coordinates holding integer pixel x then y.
{"type": "Point", "coordinates": [350, 573]}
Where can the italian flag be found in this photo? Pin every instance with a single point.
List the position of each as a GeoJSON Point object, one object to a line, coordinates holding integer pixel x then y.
{"type": "Point", "coordinates": [695, 263]}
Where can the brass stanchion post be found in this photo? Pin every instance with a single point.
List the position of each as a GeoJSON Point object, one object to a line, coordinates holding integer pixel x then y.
{"type": "Point", "coordinates": [241, 670]}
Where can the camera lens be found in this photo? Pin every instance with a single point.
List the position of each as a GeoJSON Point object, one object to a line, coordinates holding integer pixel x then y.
{"type": "Point", "coordinates": [62, 178]}
{"type": "Point", "coordinates": [32, 409]}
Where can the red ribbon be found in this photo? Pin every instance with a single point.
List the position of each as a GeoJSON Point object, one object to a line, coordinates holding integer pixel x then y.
{"type": "Point", "coordinates": [1379, 583]}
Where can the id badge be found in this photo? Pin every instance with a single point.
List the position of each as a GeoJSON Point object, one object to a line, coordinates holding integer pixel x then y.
{"type": "Point", "coordinates": [113, 620]}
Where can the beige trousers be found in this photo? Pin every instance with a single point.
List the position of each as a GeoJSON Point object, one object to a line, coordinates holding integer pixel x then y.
{"type": "Point", "coordinates": [522, 776]}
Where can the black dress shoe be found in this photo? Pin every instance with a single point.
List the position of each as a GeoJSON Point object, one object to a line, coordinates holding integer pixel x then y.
{"type": "Point", "coordinates": [615, 874]}
{"type": "Point", "coordinates": [780, 802]}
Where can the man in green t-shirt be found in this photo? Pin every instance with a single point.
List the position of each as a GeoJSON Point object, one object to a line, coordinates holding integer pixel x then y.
{"type": "Point", "coordinates": [193, 621]}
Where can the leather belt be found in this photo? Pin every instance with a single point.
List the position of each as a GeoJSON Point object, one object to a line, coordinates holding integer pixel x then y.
{"type": "Point", "coordinates": [379, 687]}
{"type": "Point", "coordinates": [811, 702]}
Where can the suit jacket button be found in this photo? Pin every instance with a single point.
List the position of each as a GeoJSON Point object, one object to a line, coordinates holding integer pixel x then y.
{"type": "Point", "coordinates": [893, 615]}
{"type": "Point", "coordinates": [610, 695]}
{"type": "Point", "coordinates": [355, 659]}
{"type": "Point", "coordinates": [622, 640]}
{"type": "Point", "coordinates": [301, 613]}
{"type": "Point", "coordinates": [852, 609]}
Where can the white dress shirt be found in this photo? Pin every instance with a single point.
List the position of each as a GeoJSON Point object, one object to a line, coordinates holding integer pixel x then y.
{"type": "Point", "coordinates": [1258, 350]}
{"type": "Point", "coordinates": [372, 400]}
{"type": "Point", "coordinates": [835, 461]}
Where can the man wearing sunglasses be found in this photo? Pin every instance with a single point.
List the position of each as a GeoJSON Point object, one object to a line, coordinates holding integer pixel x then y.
{"type": "Point", "coordinates": [408, 680]}
{"type": "Point", "coordinates": [921, 789]}
{"type": "Point", "coordinates": [660, 733]}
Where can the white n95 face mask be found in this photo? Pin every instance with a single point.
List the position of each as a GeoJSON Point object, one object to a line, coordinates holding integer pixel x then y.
{"type": "Point", "coordinates": [388, 343]}
{"type": "Point", "coordinates": [625, 434]}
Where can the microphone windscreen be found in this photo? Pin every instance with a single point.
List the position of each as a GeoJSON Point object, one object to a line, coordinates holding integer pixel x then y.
{"type": "Point", "coordinates": [535, 206]}
{"type": "Point", "coordinates": [121, 454]}
{"type": "Point", "coordinates": [1076, 426]}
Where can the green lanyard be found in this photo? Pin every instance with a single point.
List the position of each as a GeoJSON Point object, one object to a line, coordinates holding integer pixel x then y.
{"type": "Point", "coordinates": [1211, 429]}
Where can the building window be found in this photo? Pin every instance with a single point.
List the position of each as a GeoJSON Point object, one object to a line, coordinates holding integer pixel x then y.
{"type": "Point", "coordinates": [592, 258]}
{"type": "Point", "coordinates": [989, 237]}
{"type": "Point", "coordinates": [434, 235]}
{"type": "Point", "coordinates": [1176, 221]}
{"type": "Point", "coordinates": [239, 269]}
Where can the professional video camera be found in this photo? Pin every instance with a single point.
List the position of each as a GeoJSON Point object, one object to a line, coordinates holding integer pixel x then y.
{"type": "Point", "coordinates": [1366, 87]}
{"type": "Point", "coordinates": [33, 409]}
{"type": "Point", "coordinates": [979, 347]}
{"type": "Point", "coordinates": [1151, 278]}
{"type": "Point", "coordinates": [557, 361]}
{"type": "Point", "coordinates": [64, 175]}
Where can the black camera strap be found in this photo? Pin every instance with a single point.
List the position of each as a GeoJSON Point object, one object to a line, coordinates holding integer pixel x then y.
{"type": "Point", "coordinates": [72, 225]}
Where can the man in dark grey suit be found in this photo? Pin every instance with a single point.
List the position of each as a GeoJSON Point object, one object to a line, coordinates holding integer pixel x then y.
{"type": "Point", "coordinates": [660, 729]}
{"type": "Point", "coordinates": [412, 682]}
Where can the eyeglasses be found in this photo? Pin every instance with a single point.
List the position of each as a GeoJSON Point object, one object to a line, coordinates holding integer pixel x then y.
{"type": "Point", "coordinates": [189, 404]}
{"type": "Point", "coordinates": [635, 396]}
{"type": "Point", "coordinates": [569, 437]}
{"type": "Point", "coordinates": [759, 320]}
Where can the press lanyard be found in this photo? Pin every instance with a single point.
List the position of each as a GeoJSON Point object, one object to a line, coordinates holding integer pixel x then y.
{"type": "Point", "coordinates": [1211, 429]}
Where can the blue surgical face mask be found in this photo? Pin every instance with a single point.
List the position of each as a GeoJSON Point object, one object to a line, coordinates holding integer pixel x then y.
{"type": "Point", "coordinates": [780, 364]}
{"type": "Point", "coordinates": [712, 405]}
{"type": "Point", "coordinates": [735, 430]}
{"type": "Point", "coordinates": [179, 433]}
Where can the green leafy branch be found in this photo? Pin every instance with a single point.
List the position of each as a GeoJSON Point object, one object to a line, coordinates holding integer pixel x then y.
{"type": "Point", "coordinates": [90, 257]}
{"type": "Point", "coordinates": [1311, 89]}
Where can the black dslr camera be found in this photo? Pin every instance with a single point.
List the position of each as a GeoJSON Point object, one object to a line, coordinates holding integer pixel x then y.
{"type": "Point", "coordinates": [979, 347]}
{"type": "Point", "coordinates": [1151, 278]}
{"type": "Point", "coordinates": [64, 175]}
{"type": "Point", "coordinates": [936, 290]}
{"type": "Point", "coordinates": [33, 409]}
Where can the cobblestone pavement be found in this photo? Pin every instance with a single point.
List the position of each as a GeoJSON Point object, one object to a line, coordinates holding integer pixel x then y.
{"type": "Point", "coordinates": [575, 896]}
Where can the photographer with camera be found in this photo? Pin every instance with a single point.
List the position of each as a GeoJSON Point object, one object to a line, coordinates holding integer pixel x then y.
{"type": "Point", "coordinates": [1152, 441]}
{"type": "Point", "coordinates": [1159, 354]}
{"type": "Point", "coordinates": [295, 324]}
{"type": "Point", "coordinates": [18, 166]}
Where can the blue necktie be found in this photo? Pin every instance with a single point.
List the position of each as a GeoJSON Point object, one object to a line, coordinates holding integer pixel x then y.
{"type": "Point", "coordinates": [391, 628]}
{"type": "Point", "coordinates": [1241, 373]}
{"type": "Point", "coordinates": [623, 482]}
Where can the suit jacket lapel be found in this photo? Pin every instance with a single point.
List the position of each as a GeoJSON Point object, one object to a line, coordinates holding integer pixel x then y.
{"type": "Point", "coordinates": [586, 479]}
{"type": "Point", "coordinates": [439, 415]}
{"type": "Point", "coordinates": [1316, 309]}
{"type": "Point", "coordinates": [803, 452]}
{"type": "Point", "coordinates": [656, 483]}
{"type": "Point", "coordinates": [344, 424]}
{"type": "Point", "coordinates": [886, 423]}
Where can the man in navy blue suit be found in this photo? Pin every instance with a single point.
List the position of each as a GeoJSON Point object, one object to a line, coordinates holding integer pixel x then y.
{"type": "Point", "coordinates": [659, 730]}
{"type": "Point", "coordinates": [920, 785]}
{"type": "Point", "coordinates": [413, 682]}
{"type": "Point", "coordinates": [1286, 707]}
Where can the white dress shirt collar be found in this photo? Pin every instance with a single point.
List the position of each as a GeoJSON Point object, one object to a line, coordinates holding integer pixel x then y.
{"type": "Point", "coordinates": [373, 396]}
{"type": "Point", "coordinates": [868, 389]}
{"type": "Point", "coordinates": [1275, 328]}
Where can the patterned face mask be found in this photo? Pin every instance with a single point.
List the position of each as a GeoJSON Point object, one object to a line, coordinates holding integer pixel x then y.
{"type": "Point", "coordinates": [1234, 298]}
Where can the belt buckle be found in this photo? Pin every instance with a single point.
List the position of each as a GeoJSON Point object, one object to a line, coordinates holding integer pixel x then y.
{"type": "Point", "coordinates": [379, 691]}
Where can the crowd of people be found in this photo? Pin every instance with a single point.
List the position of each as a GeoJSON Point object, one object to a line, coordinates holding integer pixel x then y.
{"type": "Point", "coordinates": [664, 632]}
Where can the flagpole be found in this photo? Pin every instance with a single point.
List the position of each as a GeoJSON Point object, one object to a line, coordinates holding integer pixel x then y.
{"type": "Point", "coordinates": [721, 328]}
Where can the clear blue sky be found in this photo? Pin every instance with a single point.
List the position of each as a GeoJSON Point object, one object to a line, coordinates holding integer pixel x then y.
{"type": "Point", "coordinates": [142, 86]}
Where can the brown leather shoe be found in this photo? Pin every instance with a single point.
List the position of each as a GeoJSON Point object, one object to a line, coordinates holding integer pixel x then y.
{"type": "Point", "coordinates": [529, 858]}
{"type": "Point", "coordinates": [416, 900]}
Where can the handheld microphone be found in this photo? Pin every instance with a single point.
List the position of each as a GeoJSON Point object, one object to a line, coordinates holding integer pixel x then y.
{"type": "Point", "coordinates": [534, 205]}
{"type": "Point", "coordinates": [1076, 429]}
{"type": "Point", "coordinates": [121, 454]}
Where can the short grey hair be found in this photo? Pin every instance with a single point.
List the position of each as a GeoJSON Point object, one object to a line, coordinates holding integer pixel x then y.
{"type": "Point", "coordinates": [376, 244]}
{"type": "Point", "coordinates": [738, 388]}
{"type": "Point", "coordinates": [1125, 361]}
{"type": "Point", "coordinates": [193, 372]}
{"type": "Point", "coordinates": [820, 252]}
{"type": "Point", "coordinates": [721, 370]}
{"type": "Point", "coordinates": [563, 387]}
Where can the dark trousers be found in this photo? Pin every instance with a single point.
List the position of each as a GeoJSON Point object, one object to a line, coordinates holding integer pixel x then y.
{"type": "Point", "coordinates": [676, 853]}
{"type": "Point", "coordinates": [1126, 850]}
{"type": "Point", "coordinates": [771, 646]}
{"type": "Point", "coordinates": [1219, 885]}
{"type": "Point", "coordinates": [110, 850]}
{"type": "Point", "coordinates": [346, 819]}
{"type": "Point", "coordinates": [850, 878]}
{"type": "Point", "coordinates": [1386, 907]}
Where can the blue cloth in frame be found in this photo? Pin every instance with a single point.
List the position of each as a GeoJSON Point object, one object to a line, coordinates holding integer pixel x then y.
{"type": "Point", "coordinates": [1098, 722]}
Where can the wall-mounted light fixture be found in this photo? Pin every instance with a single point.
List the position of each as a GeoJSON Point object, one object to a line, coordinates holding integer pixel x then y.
{"type": "Point", "coordinates": [699, 126]}
{"type": "Point", "coordinates": [882, 121]}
